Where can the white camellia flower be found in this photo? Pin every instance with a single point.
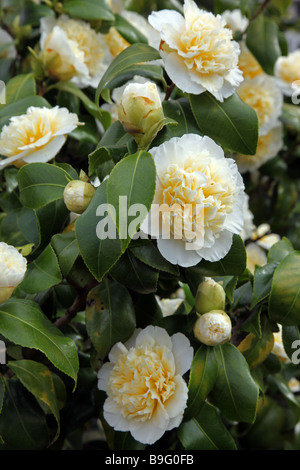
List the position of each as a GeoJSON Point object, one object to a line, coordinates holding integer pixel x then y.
{"type": "Point", "coordinates": [248, 226]}
{"type": "Point", "coordinates": [199, 196]}
{"type": "Point", "coordinates": [213, 328]}
{"type": "Point", "coordinates": [264, 96]}
{"type": "Point", "coordinates": [72, 50]}
{"type": "Point", "coordinates": [13, 267]}
{"type": "Point", "coordinates": [10, 52]}
{"type": "Point", "coordinates": [168, 306]}
{"type": "Point", "coordinates": [235, 20]}
{"type": "Point", "coordinates": [198, 51]}
{"type": "Point", "coordinates": [36, 136]}
{"type": "Point", "coordinates": [269, 145]}
{"type": "Point", "coordinates": [287, 71]}
{"type": "Point", "coordinates": [146, 393]}
{"type": "Point", "coordinates": [248, 63]}
{"type": "Point", "coordinates": [256, 256]}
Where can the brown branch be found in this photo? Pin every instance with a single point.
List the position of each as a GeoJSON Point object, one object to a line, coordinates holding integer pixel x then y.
{"type": "Point", "coordinates": [258, 12]}
{"type": "Point", "coordinates": [169, 91]}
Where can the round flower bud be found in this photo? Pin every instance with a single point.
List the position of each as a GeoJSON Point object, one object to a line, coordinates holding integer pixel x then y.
{"type": "Point", "coordinates": [210, 296]}
{"type": "Point", "coordinates": [140, 111]}
{"type": "Point", "coordinates": [78, 195]}
{"type": "Point", "coordinates": [213, 328]}
{"type": "Point", "coordinates": [13, 267]}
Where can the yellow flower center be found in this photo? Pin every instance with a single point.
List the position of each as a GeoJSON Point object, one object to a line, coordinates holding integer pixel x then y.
{"type": "Point", "coordinates": [116, 42]}
{"type": "Point", "coordinates": [199, 195]}
{"type": "Point", "coordinates": [142, 380]}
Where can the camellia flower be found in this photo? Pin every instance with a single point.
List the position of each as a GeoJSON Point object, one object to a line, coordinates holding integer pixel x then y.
{"type": "Point", "coordinates": [264, 96]}
{"type": "Point", "coordinates": [168, 306]}
{"type": "Point", "coordinates": [235, 20]}
{"type": "Point", "coordinates": [72, 50]}
{"type": "Point", "coordinates": [248, 226]}
{"type": "Point", "coordinates": [268, 147]}
{"type": "Point", "coordinates": [9, 52]}
{"type": "Point", "coordinates": [248, 63]}
{"type": "Point", "coordinates": [198, 51]}
{"type": "Point", "coordinates": [36, 136]}
{"type": "Point", "coordinates": [13, 267]}
{"type": "Point", "coordinates": [213, 328]}
{"type": "Point", "coordinates": [199, 195]}
{"type": "Point", "coordinates": [287, 71]}
{"type": "Point", "coordinates": [143, 380]}
{"type": "Point", "coordinates": [256, 256]}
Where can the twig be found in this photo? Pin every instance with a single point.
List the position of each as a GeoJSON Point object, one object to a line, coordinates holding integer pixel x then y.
{"type": "Point", "coordinates": [259, 11]}
{"type": "Point", "coordinates": [169, 91]}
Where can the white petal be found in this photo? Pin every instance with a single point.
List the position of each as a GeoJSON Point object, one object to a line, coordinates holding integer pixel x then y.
{"type": "Point", "coordinates": [176, 253]}
{"type": "Point", "coordinates": [177, 402]}
{"type": "Point", "coordinates": [183, 353]}
{"type": "Point", "coordinates": [220, 248]}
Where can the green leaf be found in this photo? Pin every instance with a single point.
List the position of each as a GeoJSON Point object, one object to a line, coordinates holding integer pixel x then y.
{"type": "Point", "coordinates": [23, 424]}
{"type": "Point", "coordinates": [128, 31]}
{"type": "Point", "coordinates": [32, 13]}
{"type": "Point", "coordinates": [263, 41]}
{"type": "Point", "coordinates": [127, 64]}
{"type": "Point", "coordinates": [282, 5]}
{"type": "Point", "coordinates": [110, 316]}
{"type": "Point", "coordinates": [99, 253]}
{"type": "Point", "coordinates": [42, 273]}
{"type": "Point", "coordinates": [235, 392]}
{"type": "Point", "coordinates": [255, 348]}
{"type": "Point", "coordinates": [147, 252]}
{"type": "Point", "coordinates": [41, 183]}
{"type": "Point", "coordinates": [290, 335]}
{"type": "Point", "coordinates": [19, 87]}
{"type": "Point", "coordinates": [66, 248]}
{"type": "Point", "coordinates": [232, 124]}
{"type": "Point", "coordinates": [206, 431]}
{"type": "Point", "coordinates": [280, 250]}
{"type": "Point", "coordinates": [88, 9]}
{"type": "Point", "coordinates": [51, 220]}
{"type": "Point", "coordinates": [284, 301]}
{"type": "Point", "coordinates": [134, 274]}
{"type": "Point", "coordinates": [23, 323]}
{"type": "Point", "coordinates": [203, 374]}
{"type": "Point", "coordinates": [20, 107]}
{"type": "Point", "coordinates": [130, 190]}
{"type": "Point", "coordinates": [262, 282]}
{"type": "Point", "coordinates": [37, 378]}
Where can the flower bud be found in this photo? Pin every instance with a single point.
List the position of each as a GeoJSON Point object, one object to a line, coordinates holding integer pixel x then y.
{"type": "Point", "coordinates": [140, 112]}
{"type": "Point", "coordinates": [78, 195]}
{"type": "Point", "coordinates": [13, 267]}
{"type": "Point", "coordinates": [210, 296]}
{"type": "Point", "coordinates": [213, 328]}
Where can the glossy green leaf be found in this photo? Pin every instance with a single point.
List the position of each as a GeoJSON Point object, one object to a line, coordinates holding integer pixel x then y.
{"type": "Point", "coordinates": [42, 273]}
{"type": "Point", "coordinates": [233, 124]}
{"type": "Point", "coordinates": [99, 251]}
{"type": "Point", "coordinates": [41, 183]}
{"type": "Point", "coordinates": [88, 9]}
{"type": "Point", "coordinates": [235, 392]}
{"type": "Point", "coordinates": [134, 274]}
{"type": "Point", "coordinates": [282, 5]}
{"type": "Point", "coordinates": [206, 431]}
{"type": "Point", "coordinates": [51, 219]}
{"type": "Point", "coordinates": [32, 13]}
{"type": "Point", "coordinates": [37, 378]}
{"type": "Point", "coordinates": [23, 323]}
{"type": "Point", "coordinates": [19, 87]}
{"type": "Point", "coordinates": [263, 41]}
{"type": "Point", "coordinates": [130, 190]}
{"type": "Point", "coordinates": [110, 316]}
{"type": "Point", "coordinates": [147, 252]}
{"type": "Point", "coordinates": [262, 282]}
{"type": "Point", "coordinates": [22, 424]}
{"type": "Point", "coordinates": [284, 301]}
{"type": "Point", "coordinates": [280, 250]}
{"type": "Point", "coordinates": [66, 248]}
{"type": "Point", "coordinates": [128, 31]}
{"type": "Point", "coordinates": [255, 348]}
{"type": "Point", "coordinates": [127, 64]}
{"type": "Point", "coordinates": [203, 374]}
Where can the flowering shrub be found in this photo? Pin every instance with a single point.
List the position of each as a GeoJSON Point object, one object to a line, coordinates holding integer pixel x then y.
{"type": "Point", "coordinates": [149, 226]}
